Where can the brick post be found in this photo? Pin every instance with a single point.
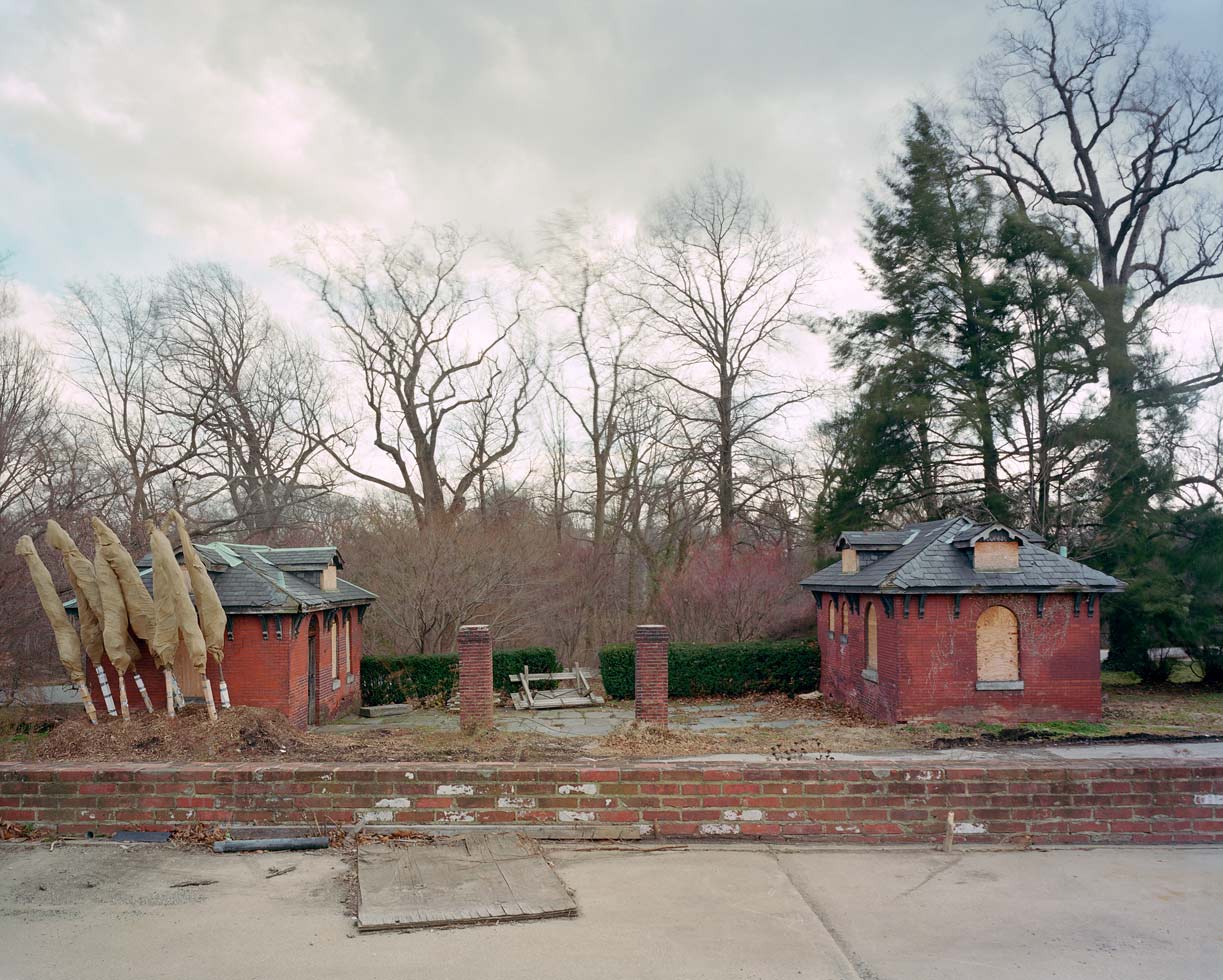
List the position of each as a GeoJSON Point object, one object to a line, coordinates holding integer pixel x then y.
{"type": "Point", "coordinates": [651, 674]}
{"type": "Point", "coordinates": [475, 678]}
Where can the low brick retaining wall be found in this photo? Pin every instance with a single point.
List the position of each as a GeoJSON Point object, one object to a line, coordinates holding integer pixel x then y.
{"type": "Point", "coordinates": [1000, 803]}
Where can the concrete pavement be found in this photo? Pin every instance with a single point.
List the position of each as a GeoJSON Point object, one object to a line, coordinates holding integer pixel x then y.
{"type": "Point", "coordinates": [107, 911]}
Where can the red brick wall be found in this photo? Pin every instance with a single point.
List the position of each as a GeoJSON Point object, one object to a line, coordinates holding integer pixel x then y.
{"type": "Point", "coordinates": [333, 700]}
{"type": "Point", "coordinates": [269, 673]}
{"type": "Point", "coordinates": [476, 698]}
{"type": "Point", "coordinates": [1003, 803]}
{"type": "Point", "coordinates": [1059, 662]}
{"type": "Point", "coordinates": [843, 658]}
{"type": "Point", "coordinates": [651, 675]}
{"type": "Point", "coordinates": [928, 662]}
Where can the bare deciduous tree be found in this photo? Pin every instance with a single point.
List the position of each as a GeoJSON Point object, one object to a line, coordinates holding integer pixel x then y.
{"type": "Point", "coordinates": [1087, 120]}
{"type": "Point", "coordinates": [251, 389]}
{"type": "Point", "coordinates": [593, 357]}
{"type": "Point", "coordinates": [722, 283]}
{"type": "Point", "coordinates": [117, 337]}
{"type": "Point", "coordinates": [29, 416]}
{"type": "Point", "coordinates": [407, 317]}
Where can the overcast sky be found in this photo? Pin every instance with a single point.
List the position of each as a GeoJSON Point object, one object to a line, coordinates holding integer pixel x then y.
{"type": "Point", "coordinates": [134, 135]}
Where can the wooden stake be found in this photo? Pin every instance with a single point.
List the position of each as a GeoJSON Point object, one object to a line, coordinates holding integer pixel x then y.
{"type": "Point", "coordinates": [212, 708]}
{"type": "Point", "coordinates": [148, 702]}
{"type": "Point", "coordinates": [169, 692]}
{"type": "Point", "coordinates": [949, 839]}
{"type": "Point", "coordinates": [105, 685]}
{"type": "Point", "coordinates": [123, 712]}
{"type": "Point", "coordinates": [88, 702]}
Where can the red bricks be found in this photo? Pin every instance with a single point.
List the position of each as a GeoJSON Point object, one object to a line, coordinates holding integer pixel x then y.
{"type": "Point", "coordinates": [834, 802]}
{"type": "Point", "coordinates": [475, 678]}
{"type": "Point", "coordinates": [927, 666]}
{"type": "Point", "coordinates": [651, 674]}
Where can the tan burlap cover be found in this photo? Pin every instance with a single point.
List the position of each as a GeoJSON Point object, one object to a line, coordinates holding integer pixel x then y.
{"type": "Point", "coordinates": [135, 596]}
{"type": "Point", "coordinates": [115, 637]}
{"type": "Point", "coordinates": [174, 610]}
{"type": "Point", "coordinates": [67, 644]}
{"type": "Point", "coordinates": [211, 612]}
{"type": "Point", "coordinates": [85, 586]}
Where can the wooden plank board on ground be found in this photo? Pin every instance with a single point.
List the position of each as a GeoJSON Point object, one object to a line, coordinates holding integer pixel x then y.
{"type": "Point", "coordinates": [461, 881]}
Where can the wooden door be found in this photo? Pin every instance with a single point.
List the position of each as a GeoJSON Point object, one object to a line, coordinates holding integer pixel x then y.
{"type": "Point", "coordinates": [189, 681]}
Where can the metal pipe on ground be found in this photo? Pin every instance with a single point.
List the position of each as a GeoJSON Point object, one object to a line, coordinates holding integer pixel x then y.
{"type": "Point", "coordinates": [272, 844]}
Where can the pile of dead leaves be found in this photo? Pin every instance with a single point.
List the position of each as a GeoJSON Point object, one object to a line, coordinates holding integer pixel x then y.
{"type": "Point", "coordinates": [10, 831]}
{"type": "Point", "coordinates": [197, 835]}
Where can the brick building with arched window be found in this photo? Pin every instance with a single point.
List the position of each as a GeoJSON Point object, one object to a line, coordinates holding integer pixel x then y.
{"type": "Point", "coordinates": [960, 621]}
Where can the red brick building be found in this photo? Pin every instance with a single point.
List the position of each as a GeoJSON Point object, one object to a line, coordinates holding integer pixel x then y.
{"type": "Point", "coordinates": [293, 640]}
{"type": "Point", "coordinates": [960, 621]}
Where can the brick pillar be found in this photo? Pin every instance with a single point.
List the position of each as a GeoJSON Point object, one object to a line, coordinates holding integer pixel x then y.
{"type": "Point", "coordinates": [475, 678]}
{"type": "Point", "coordinates": [651, 674]}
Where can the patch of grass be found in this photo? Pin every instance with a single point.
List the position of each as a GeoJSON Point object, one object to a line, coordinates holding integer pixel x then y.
{"type": "Point", "coordinates": [1182, 673]}
{"type": "Point", "coordinates": [1069, 728]}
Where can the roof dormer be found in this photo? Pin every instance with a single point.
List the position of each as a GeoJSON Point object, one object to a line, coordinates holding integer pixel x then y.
{"type": "Point", "coordinates": [995, 547]}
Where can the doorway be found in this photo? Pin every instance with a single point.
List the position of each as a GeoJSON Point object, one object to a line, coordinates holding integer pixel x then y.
{"type": "Point", "coordinates": [312, 666]}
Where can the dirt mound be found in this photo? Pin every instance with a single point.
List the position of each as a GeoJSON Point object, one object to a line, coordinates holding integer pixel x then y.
{"type": "Point", "coordinates": [239, 733]}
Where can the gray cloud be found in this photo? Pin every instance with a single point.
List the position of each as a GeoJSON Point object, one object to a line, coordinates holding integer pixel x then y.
{"type": "Point", "coordinates": [134, 133]}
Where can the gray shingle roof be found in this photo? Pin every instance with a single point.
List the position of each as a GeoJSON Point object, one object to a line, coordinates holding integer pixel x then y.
{"type": "Point", "coordinates": [930, 561]}
{"type": "Point", "coordinates": [872, 540]}
{"type": "Point", "coordinates": [259, 579]}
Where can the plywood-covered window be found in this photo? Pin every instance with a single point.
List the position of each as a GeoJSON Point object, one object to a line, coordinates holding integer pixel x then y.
{"type": "Point", "coordinates": [348, 642]}
{"type": "Point", "coordinates": [872, 637]}
{"type": "Point", "coordinates": [335, 658]}
{"type": "Point", "coordinates": [997, 645]}
{"type": "Point", "coordinates": [832, 616]}
{"type": "Point", "coordinates": [844, 618]}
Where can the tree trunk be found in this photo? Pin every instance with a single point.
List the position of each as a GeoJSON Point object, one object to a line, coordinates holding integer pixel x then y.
{"type": "Point", "coordinates": [726, 467]}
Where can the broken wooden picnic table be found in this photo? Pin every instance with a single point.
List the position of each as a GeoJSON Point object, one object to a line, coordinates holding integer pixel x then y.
{"type": "Point", "coordinates": [577, 695]}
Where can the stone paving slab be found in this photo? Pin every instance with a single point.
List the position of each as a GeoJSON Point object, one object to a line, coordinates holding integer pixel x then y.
{"type": "Point", "coordinates": [584, 722]}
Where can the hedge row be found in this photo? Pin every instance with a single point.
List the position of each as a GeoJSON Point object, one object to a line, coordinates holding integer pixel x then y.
{"type": "Point", "coordinates": [395, 680]}
{"type": "Point", "coordinates": [722, 669]}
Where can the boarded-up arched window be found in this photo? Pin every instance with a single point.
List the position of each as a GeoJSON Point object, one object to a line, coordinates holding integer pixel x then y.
{"type": "Point", "coordinates": [845, 618]}
{"type": "Point", "coordinates": [832, 616]}
{"type": "Point", "coordinates": [872, 638]}
{"type": "Point", "coordinates": [997, 645]}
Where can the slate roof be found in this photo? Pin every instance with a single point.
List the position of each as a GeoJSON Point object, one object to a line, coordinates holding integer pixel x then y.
{"type": "Point", "coordinates": [929, 560]}
{"type": "Point", "coordinates": [872, 540]}
{"type": "Point", "coordinates": [259, 579]}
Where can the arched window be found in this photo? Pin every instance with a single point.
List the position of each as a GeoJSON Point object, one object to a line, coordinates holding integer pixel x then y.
{"type": "Point", "coordinates": [997, 645]}
{"type": "Point", "coordinates": [845, 619]}
{"type": "Point", "coordinates": [832, 616]}
{"type": "Point", "coordinates": [872, 637]}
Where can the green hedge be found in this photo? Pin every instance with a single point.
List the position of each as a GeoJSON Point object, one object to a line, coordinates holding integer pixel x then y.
{"type": "Point", "coordinates": [395, 680]}
{"type": "Point", "coordinates": [721, 669]}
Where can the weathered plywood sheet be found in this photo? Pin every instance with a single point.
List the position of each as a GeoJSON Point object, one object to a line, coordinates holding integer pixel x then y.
{"type": "Point", "coordinates": [997, 645]}
{"type": "Point", "coordinates": [463, 881]}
